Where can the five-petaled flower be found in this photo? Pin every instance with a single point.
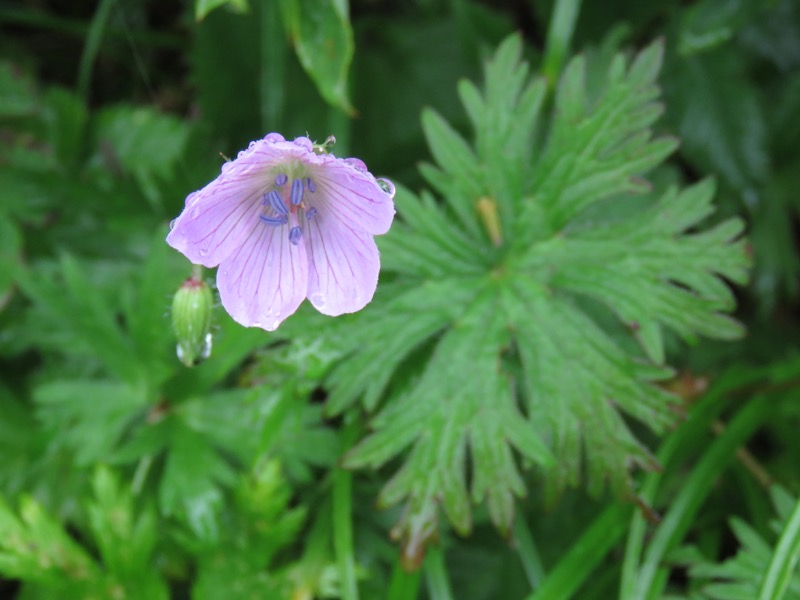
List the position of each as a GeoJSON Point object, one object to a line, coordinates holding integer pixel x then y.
{"type": "Point", "coordinates": [287, 221]}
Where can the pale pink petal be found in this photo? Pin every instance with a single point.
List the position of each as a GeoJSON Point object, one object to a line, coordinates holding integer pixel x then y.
{"type": "Point", "coordinates": [211, 225]}
{"type": "Point", "coordinates": [353, 197]}
{"type": "Point", "coordinates": [265, 279]}
{"type": "Point", "coordinates": [343, 266]}
{"type": "Point", "coordinates": [227, 209]}
{"type": "Point", "coordinates": [329, 207]}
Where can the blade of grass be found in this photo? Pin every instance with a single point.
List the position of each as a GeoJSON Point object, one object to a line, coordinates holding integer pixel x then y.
{"type": "Point", "coordinates": [436, 575]}
{"type": "Point", "coordinates": [559, 38]}
{"type": "Point", "coordinates": [527, 552]}
{"type": "Point", "coordinates": [343, 521]}
{"type": "Point", "coordinates": [273, 66]}
{"type": "Point", "coordinates": [404, 585]}
{"type": "Point", "coordinates": [674, 451]}
{"type": "Point", "coordinates": [587, 552]}
{"type": "Point", "coordinates": [92, 46]}
{"type": "Point", "coordinates": [784, 560]}
{"type": "Point", "coordinates": [652, 575]}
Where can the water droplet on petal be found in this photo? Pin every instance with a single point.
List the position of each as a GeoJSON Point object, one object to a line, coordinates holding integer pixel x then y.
{"type": "Point", "coordinates": [387, 186]}
{"type": "Point", "coordinates": [357, 163]}
{"type": "Point", "coordinates": [317, 299]}
{"type": "Point", "coordinates": [172, 224]}
{"type": "Point", "coordinates": [275, 324]}
{"type": "Point", "coordinates": [304, 142]}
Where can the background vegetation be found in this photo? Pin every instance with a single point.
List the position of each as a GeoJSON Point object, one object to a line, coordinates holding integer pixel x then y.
{"type": "Point", "coordinates": [544, 400]}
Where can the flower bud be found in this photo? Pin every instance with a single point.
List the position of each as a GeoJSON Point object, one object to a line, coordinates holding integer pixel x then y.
{"type": "Point", "coordinates": [191, 321]}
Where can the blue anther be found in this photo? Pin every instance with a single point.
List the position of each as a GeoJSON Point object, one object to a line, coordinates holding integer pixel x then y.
{"type": "Point", "coordinates": [312, 187]}
{"type": "Point", "coordinates": [310, 213]}
{"type": "Point", "coordinates": [276, 203]}
{"type": "Point", "coordinates": [281, 179]}
{"type": "Point", "coordinates": [274, 221]}
{"type": "Point", "coordinates": [295, 233]}
{"type": "Point", "coordinates": [297, 191]}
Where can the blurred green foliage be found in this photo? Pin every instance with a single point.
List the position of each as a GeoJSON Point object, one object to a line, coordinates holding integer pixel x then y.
{"type": "Point", "coordinates": [535, 288]}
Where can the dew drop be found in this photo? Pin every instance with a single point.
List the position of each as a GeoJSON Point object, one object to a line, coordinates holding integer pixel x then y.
{"type": "Point", "coordinates": [357, 163]}
{"type": "Point", "coordinates": [275, 324]}
{"type": "Point", "coordinates": [387, 187]}
{"type": "Point", "coordinates": [172, 224]}
{"type": "Point", "coordinates": [317, 299]}
{"type": "Point", "coordinates": [206, 352]}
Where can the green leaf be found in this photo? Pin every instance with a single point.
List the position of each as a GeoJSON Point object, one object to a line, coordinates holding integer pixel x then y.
{"type": "Point", "coordinates": [66, 118]}
{"type": "Point", "coordinates": [782, 572]}
{"type": "Point", "coordinates": [369, 374]}
{"type": "Point", "coordinates": [718, 116]}
{"type": "Point", "coordinates": [203, 7]}
{"type": "Point", "coordinates": [597, 151]}
{"type": "Point", "coordinates": [537, 243]}
{"type": "Point", "coordinates": [85, 319]}
{"type": "Point", "coordinates": [21, 440]}
{"type": "Point", "coordinates": [34, 547]}
{"type": "Point", "coordinates": [711, 23]}
{"type": "Point", "coordinates": [142, 142]}
{"type": "Point", "coordinates": [190, 488]}
{"type": "Point", "coordinates": [447, 417]}
{"type": "Point", "coordinates": [37, 549]}
{"type": "Point", "coordinates": [89, 417]}
{"type": "Point", "coordinates": [323, 39]}
{"type": "Point", "coordinates": [670, 282]}
{"type": "Point", "coordinates": [239, 566]}
{"type": "Point", "coordinates": [505, 120]}
{"type": "Point", "coordinates": [758, 570]}
{"type": "Point", "coordinates": [16, 92]}
{"type": "Point", "coordinates": [10, 257]}
{"type": "Point", "coordinates": [126, 541]}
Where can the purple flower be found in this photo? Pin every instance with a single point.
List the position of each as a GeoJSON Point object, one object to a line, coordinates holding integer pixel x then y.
{"type": "Point", "coordinates": [287, 221]}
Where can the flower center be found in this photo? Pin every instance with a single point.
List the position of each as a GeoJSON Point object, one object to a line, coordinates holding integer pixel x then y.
{"type": "Point", "coordinates": [285, 205]}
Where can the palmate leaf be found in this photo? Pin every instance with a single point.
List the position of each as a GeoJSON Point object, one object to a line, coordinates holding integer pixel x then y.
{"type": "Point", "coordinates": [498, 340]}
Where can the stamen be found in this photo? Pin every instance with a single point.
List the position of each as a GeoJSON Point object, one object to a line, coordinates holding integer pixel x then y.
{"type": "Point", "coordinates": [274, 221]}
{"type": "Point", "coordinates": [276, 203]}
{"type": "Point", "coordinates": [297, 191]}
{"type": "Point", "coordinates": [295, 233]}
{"type": "Point", "coordinates": [310, 213]}
{"type": "Point", "coordinates": [311, 185]}
{"type": "Point", "coordinates": [281, 179]}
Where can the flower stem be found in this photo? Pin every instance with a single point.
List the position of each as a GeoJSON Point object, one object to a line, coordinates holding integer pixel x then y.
{"type": "Point", "coordinates": [436, 575]}
{"type": "Point", "coordinates": [342, 520]}
{"type": "Point", "coordinates": [197, 272]}
{"type": "Point", "coordinates": [273, 66]}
